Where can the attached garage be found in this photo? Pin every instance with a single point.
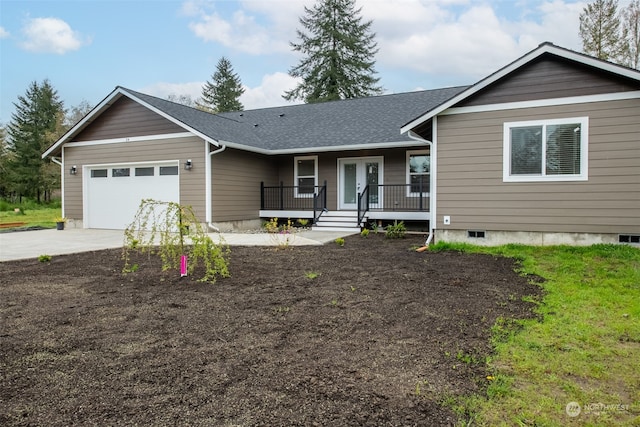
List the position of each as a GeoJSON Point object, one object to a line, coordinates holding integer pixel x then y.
{"type": "Point", "coordinates": [113, 192]}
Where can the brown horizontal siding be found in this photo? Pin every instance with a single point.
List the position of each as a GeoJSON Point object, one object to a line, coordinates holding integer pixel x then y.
{"type": "Point", "coordinates": [191, 182]}
{"type": "Point", "coordinates": [550, 77]}
{"type": "Point", "coordinates": [236, 177]}
{"type": "Point", "coordinates": [470, 168]}
{"type": "Point", "coordinates": [126, 118]}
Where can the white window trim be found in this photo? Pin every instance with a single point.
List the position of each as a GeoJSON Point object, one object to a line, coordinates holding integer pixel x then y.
{"type": "Point", "coordinates": [408, 172]}
{"type": "Point", "coordinates": [584, 151]}
{"type": "Point", "coordinates": [295, 175]}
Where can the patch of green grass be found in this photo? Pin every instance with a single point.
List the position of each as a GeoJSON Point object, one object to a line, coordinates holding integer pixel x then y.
{"type": "Point", "coordinates": [42, 217]}
{"type": "Point", "coordinates": [44, 258]}
{"type": "Point", "coordinates": [584, 348]}
{"type": "Point", "coordinates": [311, 275]}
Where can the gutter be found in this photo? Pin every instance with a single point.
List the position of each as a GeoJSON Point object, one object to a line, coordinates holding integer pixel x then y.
{"type": "Point", "coordinates": [211, 154]}
{"type": "Point", "coordinates": [411, 134]}
{"type": "Point", "coordinates": [56, 161]}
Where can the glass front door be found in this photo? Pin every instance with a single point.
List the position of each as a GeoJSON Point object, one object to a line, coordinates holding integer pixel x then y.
{"type": "Point", "coordinates": [355, 175]}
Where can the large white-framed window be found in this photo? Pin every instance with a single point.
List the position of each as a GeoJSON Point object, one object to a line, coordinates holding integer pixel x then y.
{"type": "Point", "coordinates": [305, 171]}
{"type": "Point", "coordinates": [418, 172]}
{"type": "Point", "coordinates": [546, 150]}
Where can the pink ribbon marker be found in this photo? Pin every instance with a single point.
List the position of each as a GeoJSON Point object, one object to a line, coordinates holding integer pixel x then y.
{"type": "Point", "coordinates": [183, 266]}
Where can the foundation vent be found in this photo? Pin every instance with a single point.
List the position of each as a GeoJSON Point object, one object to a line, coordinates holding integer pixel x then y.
{"type": "Point", "coordinates": [629, 238]}
{"type": "Point", "coordinates": [475, 234]}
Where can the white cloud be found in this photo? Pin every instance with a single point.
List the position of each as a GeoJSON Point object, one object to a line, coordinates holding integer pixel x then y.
{"type": "Point", "coordinates": [267, 94]}
{"type": "Point", "coordinates": [3, 33]}
{"type": "Point", "coordinates": [255, 27]}
{"type": "Point", "coordinates": [462, 40]}
{"type": "Point", "coordinates": [51, 35]}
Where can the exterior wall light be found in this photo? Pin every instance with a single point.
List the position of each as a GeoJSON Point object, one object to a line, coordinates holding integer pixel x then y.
{"type": "Point", "coordinates": [73, 170]}
{"type": "Point", "coordinates": [188, 165]}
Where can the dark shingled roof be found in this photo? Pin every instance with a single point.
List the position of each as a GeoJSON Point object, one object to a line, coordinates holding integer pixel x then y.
{"type": "Point", "coordinates": [336, 124]}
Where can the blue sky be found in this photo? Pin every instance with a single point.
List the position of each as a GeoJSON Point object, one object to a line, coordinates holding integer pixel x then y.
{"type": "Point", "coordinates": [87, 48]}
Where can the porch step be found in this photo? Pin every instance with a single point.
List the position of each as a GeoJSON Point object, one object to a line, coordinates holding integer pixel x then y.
{"type": "Point", "coordinates": [338, 221]}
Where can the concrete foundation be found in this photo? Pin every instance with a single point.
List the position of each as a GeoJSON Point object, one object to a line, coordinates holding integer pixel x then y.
{"type": "Point", "coordinates": [241, 225]}
{"type": "Point", "coordinates": [495, 238]}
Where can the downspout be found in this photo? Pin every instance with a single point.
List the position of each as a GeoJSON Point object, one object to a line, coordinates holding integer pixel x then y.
{"type": "Point", "coordinates": [418, 138]}
{"type": "Point", "coordinates": [59, 162]}
{"type": "Point", "coordinates": [209, 180]}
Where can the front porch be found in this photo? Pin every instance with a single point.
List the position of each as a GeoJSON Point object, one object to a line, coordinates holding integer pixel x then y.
{"type": "Point", "coordinates": [376, 202]}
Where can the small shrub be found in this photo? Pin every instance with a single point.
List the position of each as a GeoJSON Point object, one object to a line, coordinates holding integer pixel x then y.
{"type": "Point", "coordinates": [303, 222]}
{"type": "Point", "coordinates": [339, 241]}
{"type": "Point", "coordinates": [44, 258]}
{"type": "Point", "coordinates": [282, 235]}
{"type": "Point", "coordinates": [311, 275]}
{"type": "Point", "coordinates": [396, 231]}
{"type": "Point", "coordinates": [365, 232]}
{"type": "Point", "coordinates": [159, 228]}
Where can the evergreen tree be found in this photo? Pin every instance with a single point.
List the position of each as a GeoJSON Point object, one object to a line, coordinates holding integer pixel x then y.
{"type": "Point", "coordinates": [600, 30]}
{"type": "Point", "coordinates": [34, 126]}
{"type": "Point", "coordinates": [223, 93]}
{"type": "Point", "coordinates": [338, 50]}
{"type": "Point", "coordinates": [631, 34]}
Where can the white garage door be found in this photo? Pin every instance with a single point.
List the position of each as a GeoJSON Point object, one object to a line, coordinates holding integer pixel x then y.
{"type": "Point", "coordinates": [113, 193]}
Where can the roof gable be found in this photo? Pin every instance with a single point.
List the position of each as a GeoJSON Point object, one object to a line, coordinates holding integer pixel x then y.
{"type": "Point", "coordinates": [126, 118]}
{"type": "Point", "coordinates": [550, 76]}
{"type": "Point", "coordinates": [507, 76]}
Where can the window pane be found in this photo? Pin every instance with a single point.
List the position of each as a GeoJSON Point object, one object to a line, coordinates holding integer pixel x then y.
{"type": "Point", "coordinates": [306, 185]}
{"type": "Point", "coordinates": [99, 173]}
{"type": "Point", "coordinates": [526, 150]}
{"type": "Point", "coordinates": [118, 172]}
{"type": "Point", "coordinates": [419, 163]}
{"type": "Point", "coordinates": [306, 167]}
{"type": "Point", "coordinates": [563, 149]}
{"type": "Point", "coordinates": [419, 183]}
{"type": "Point", "coordinates": [168, 170]}
{"type": "Point", "coordinates": [350, 180]}
{"type": "Point", "coordinates": [144, 171]}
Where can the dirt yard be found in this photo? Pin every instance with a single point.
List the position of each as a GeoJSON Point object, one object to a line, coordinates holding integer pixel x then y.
{"type": "Point", "coordinates": [372, 333]}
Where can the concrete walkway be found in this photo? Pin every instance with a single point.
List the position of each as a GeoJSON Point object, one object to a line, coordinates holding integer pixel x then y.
{"type": "Point", "coordinates": [31, 244]}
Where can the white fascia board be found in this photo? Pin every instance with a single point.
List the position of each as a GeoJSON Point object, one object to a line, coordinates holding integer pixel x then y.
{"type": "Point", "coordinates": [550, 102]}
{"type": "Point", "coordinates": [327, 149]}
{"type": "Point", "coordinates": [542, 49]}
{"type": "Point", "coordinates": [129, 139]}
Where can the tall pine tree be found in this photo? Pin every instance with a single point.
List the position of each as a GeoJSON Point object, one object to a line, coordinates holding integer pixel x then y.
{"type": "Point", "coordinates": [223, 93]}
{"type": "Point", "coordinates": [33, 127]}
{"type": "Point", "coordinates": [600, 30]}
{"type": "Point", "coordinates": [339, 50]}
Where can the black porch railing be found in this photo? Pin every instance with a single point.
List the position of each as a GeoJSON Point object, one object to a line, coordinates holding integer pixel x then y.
{"type": "Point", "coordinates": [392, 198]}
{"type": "Point", "coordinates": [291, 197]}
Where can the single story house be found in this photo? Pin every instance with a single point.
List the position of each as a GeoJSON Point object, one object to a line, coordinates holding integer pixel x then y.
{"type": "Point", "coordinates": [545, 150]}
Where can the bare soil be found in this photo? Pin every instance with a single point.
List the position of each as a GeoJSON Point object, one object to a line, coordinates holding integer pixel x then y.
{"type": "Point", "coordinates": [382, 336]}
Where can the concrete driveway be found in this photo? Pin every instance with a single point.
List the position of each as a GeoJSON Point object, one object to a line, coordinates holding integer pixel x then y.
{"type": "Point", "coordinates": [32, 244]}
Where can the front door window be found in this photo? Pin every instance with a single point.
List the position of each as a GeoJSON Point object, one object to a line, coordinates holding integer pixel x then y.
{"type": "Point", "coordinates": [355, 175]}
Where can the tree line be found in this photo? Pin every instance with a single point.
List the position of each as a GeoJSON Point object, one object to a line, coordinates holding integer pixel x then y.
{"type": "Point", "coordinates": [338, 50]}
{"type": "Point", "coordinates": [612, 33]}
